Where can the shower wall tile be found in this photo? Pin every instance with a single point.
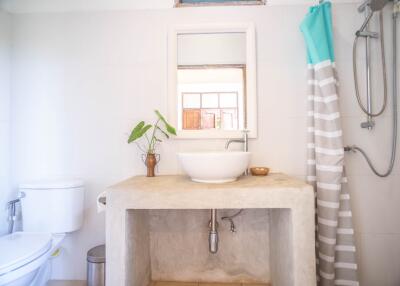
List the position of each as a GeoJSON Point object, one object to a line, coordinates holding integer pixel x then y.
{"type": "Point", "coordinates": [374, 266]}
{"type": "Point", "coordinates": [344, 30]}
{"type": "Point", "coordinates": [380, 260]}
{"type": "Point", "coordinates": [296, 139]}
{"type": "Point", "coordinates": [375, 204]}
{"type": "Point", "coordinates": [393, 244]}
{"type": "Point", "coordinates": [272, 57]}
{"type": "Point", "coordinates": [275, 146]}
{"type": "Point", "coordinates": [348, 103]}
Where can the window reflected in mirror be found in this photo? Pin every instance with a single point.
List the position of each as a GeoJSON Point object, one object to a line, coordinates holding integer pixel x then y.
{"type": "Point", "coordinates": [211, 97]}
{"type": "Point", "coordinates": [211, 81]}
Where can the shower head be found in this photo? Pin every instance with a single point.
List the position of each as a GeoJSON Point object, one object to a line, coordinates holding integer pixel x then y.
{"type": "Point", "coordinates": [374, 5]}
{"type": "Point", "coordinates": [377, 5]}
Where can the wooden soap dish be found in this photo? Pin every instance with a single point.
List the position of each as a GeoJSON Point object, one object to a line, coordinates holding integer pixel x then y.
{"type": "Point", "coordinates": [259, 171]}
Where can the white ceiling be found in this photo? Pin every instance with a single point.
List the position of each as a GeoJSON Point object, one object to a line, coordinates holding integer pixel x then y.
{"type": "Point", "coordinates": [32, 6]}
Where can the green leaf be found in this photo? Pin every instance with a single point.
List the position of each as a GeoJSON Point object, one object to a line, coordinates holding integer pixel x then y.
{"type": "Point", "coordinates": [138, 131]}
{"type": "Point", "coordinates": [160, 116]}
{"type": "Point", "coordinates": [168, 126]}
{"type": "Point", "coordinates": [170, 129]}
{"type": "Point", "coordinates": [138, 126]}
{"type": "Point", "coordinates": [144, 130]}
{"type": "Point", "coordinates": [135, 132]}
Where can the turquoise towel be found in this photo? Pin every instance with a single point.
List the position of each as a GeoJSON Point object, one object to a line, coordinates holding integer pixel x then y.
{"type": "Point", "coordinates": [317, 30]}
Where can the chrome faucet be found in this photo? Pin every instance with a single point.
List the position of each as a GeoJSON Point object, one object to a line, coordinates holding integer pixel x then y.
{"type": "Point", "coordinates": [244, 140]}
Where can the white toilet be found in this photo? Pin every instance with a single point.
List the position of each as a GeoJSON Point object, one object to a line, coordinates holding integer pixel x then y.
{"type": "Point", "coordinates": [50, 210]}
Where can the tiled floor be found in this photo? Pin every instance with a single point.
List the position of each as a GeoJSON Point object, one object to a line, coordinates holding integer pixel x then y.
{"type": "Point", "coordinates": [203, 284]}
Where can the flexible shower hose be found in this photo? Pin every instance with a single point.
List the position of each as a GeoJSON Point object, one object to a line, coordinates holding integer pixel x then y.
{"type": "Point", "coordinates": [355, 148]}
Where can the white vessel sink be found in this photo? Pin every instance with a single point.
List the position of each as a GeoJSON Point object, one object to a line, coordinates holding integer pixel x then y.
{"type": "Point", "coordinates": [214, 167]}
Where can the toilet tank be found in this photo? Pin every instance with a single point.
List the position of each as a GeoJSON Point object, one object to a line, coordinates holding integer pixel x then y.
{"type": "Point", "coordinates": [53, 206]}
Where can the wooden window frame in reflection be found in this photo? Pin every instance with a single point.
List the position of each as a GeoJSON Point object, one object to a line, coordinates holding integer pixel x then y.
{"type": "Point", "coordinates": [220, 66]}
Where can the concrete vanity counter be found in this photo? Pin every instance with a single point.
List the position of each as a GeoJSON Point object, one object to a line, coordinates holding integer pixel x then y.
{"type": "Point", "coordinates": [291, 204]}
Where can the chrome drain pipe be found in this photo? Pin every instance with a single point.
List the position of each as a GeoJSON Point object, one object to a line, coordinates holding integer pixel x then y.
{"type": "Point", "coordinates": [213, 234]}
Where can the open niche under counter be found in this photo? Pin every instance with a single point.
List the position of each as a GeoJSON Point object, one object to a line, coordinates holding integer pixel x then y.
{"type": "Point", "coordinates": [157, 230]}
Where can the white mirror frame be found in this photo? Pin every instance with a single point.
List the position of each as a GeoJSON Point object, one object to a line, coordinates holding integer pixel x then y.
{"type": "Point", "coordinates": [251, 82]}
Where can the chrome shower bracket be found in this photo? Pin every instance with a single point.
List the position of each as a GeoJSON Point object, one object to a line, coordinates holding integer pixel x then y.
{"type": "Point", "coordinates": [367, 34]}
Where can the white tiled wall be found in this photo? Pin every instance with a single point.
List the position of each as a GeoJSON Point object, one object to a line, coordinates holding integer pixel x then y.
{"type": "Point", "coordinates": [5, 193]}
{"type": "Point", "coordinates": [80, 81]}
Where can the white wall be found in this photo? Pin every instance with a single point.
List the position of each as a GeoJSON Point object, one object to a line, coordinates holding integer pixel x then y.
{"type": "Point", "coordinates": [26, 6]}
{"type": "Point", "coordinates": [81, 80]}
{"type": "Point", "coordinates": [5, 191]}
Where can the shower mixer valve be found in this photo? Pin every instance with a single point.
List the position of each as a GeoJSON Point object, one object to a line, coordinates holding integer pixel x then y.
{"type": "Point", "coordinates": [370, 124]}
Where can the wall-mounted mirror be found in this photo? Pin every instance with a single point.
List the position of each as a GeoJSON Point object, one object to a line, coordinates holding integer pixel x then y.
{"type": "Point", "coordinates": [212, 86]}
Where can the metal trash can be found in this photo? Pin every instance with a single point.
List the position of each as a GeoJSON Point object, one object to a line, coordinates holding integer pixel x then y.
{"type": "Point", "coordinates": [96, 266]}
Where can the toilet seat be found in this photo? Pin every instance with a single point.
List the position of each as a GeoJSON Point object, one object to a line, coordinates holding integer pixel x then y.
{"type": "Point", "coordinates": [21, 249]}
{"type": "Point", "coordinates": [32, 256]}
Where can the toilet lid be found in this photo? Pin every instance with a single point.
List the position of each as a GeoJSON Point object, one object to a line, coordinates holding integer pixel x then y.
{"type": "Point", "coordinates": [52, 184]}
{"type": "Point", "coordinates": [20, 248]}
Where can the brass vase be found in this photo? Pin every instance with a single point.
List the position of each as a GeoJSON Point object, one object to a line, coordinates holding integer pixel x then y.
{"type": "Point", "coordinates": [151, 162]}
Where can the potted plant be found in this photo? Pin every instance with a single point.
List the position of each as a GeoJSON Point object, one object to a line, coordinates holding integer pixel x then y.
{"type": "Point", "coordinates": [151, 141]}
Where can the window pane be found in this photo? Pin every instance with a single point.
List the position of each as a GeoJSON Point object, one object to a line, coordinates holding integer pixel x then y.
{"type": "Point", "coordinates": [209, 118]}
{"type": "Point", "coordinates": [228, 100]}
{"type": "Point", "coordinates": [191, 119]}
{"type": "Point", "coordinates": [191, 100]}
{"type": "Point", "coordinates": [229, 120]}
{"type": "Point", "coordinates": [209, 100]}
